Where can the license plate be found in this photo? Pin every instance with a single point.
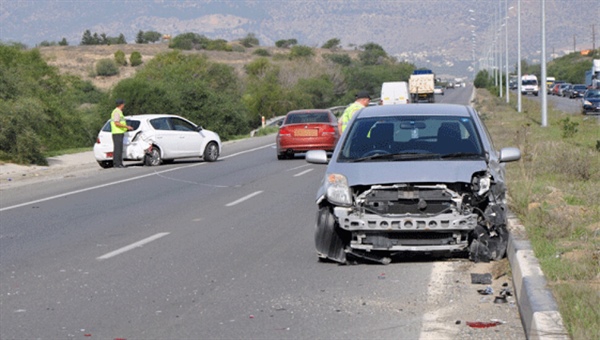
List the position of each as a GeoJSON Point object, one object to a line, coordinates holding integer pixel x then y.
{"type": "Point", "coordinates": [306, 133]}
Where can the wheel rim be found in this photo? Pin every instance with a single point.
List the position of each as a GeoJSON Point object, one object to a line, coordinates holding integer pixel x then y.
{"type": "Point", "coordinates": [154, 157]}
{"type": "Point", "coordinates": [212, 152]}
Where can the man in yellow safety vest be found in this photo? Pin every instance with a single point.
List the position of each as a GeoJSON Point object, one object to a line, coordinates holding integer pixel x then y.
{"type": "Point", "coordinates": [118, 127]}
{"type": "Point", "coordinates": [362, 100]}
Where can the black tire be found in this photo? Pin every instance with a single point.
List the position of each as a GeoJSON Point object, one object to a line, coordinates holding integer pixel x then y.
{"type": "Point", "coordinates": [330, 239]}
{"type": "Point", "coordinates": [281, 156]}
{"type": "Point", "coordinates": [153, 157]}
{"type": "Point", "coordinates": [105, 164]}
{"type": "Point", "coordinates": [211, 153]}
{"type": "Point", "coordinates": [485, 247]}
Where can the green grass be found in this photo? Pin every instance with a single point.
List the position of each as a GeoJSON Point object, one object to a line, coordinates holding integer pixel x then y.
{"type": "Point", "coordinates": [555, 191]}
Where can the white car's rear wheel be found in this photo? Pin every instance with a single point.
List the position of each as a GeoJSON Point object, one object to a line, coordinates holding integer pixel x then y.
{"type": "Point", "coordinates": [152, 158]}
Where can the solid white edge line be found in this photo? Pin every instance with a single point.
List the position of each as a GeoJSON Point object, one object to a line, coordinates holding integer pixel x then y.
{"type": "Point", "coordinates": [124, 180]}
{"type": "Point", "coordinates": [244, 198]}
{"type": "Point", "coordinates": [132, 246]}
{"type": "Point", "coordinates": [303, 172]}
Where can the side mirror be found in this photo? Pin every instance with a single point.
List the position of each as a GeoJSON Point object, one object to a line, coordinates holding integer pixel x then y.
{"type": "Point", "coordinates": [199, 128]}
{"type": "Point", "coordinates": [509, 155]}
{"type": "Point", "coordinates": [316, 157]}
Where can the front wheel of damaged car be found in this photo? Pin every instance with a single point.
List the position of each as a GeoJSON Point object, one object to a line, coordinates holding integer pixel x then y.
{"type": "Point", "coordinates": [488, 245]}
{"type": "Point", "coordinates": [330, 240]}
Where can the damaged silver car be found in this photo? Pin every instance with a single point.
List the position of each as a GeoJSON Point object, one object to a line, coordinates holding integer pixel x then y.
{"type": "Point", "coordinates": [413, 178]}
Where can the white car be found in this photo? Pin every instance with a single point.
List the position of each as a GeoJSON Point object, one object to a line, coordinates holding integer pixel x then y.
{"type": "Point", "coordinates": [157, 139]}
{"type": "Point", "coordinates": [438, 90]}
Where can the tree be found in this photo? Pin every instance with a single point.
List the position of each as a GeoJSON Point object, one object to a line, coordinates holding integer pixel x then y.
{"type": "Point", "coordinates": [250, 40]}
{"type": "Point", "coordinates": [189, 41]}
{"type": "Point", "coordinates": [286, 43]}
{"type": "Point", "coordinates": [63, 42]}
{"type": "Point", "coordinates": [121, 39]}
{"type": "Point", "coordinates": [87, 38]}
{"type": "Point", "coordinates": [372, 54]}
{"type": "Point", "coordinates": [151, 36]}
{"type": "Point", "coordinates": [332, 44]}
{"type": "Point", "coordinates": [139, 38]}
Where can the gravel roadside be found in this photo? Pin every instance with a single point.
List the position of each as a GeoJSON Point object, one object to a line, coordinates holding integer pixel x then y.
{"type": "Point", "coordinates": [72, 165]}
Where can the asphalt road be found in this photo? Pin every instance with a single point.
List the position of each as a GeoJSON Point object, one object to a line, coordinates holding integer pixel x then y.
{"type": "Point", "coordinates": [218, 250]}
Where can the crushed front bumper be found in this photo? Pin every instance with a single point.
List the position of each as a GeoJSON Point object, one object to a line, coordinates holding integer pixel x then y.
{"type": "Point", "coordinates": [445, 231]}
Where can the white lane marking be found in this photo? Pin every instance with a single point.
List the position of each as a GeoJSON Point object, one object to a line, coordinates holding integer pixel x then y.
{"type": "Point", "coordinates": [137, 244]}
{"type": "Point", "coordinates": [303, 172]}
{"type": "Point", "coordinates": [298, 167]}
{"type": "Point", "coordinates": [123, 181]}
{"type": "Point", "coordinates": [244, 198]}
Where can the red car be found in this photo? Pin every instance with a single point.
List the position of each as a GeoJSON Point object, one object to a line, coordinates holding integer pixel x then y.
{"type": "Point", "coordinates": [303, 130]}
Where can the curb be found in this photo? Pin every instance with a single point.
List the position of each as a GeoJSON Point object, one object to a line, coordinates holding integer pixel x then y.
{"type": "Point", "coordinates": [538, 309]}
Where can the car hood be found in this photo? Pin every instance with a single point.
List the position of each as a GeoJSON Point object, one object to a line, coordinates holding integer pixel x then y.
{"type": "Point", "coordinates": [593, 100]}
{"type": "Point", "coordinates": [447, 171]}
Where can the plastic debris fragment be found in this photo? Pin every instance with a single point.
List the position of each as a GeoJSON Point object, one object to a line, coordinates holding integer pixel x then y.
{"type": "Point", "coordinates": [487, 291]}
{"type": "Point", "coordinates": [480, 324]}
{"type": "Point", "coordinates": [484, 279]}
{"type": "Point", "coordinates": [500, 299]}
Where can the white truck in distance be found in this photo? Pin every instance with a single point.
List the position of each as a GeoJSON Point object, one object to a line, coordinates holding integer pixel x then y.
{"type": "Point", "coordinates": [422, 83]}
{"type": "Point", "coordinates": [529, 84]}
{"type": "Point", "coordinates": [592, 76]}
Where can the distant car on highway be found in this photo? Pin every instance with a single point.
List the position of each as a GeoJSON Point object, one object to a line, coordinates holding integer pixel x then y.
{"type": "Point", "coordinates": [590, 101]}
{"type": "Point", "coordinates": [575, 91]}
{"type": "Point", "coordinates": [438, 90]}
{"type": "Point", "coordinates": [564, 89]}
{"type": "Point", "coordinates": [304, 130]}
{"type": "Point", "coordinates": [413, 178]}
{"type": "Point", "coordinates": [159, 138]}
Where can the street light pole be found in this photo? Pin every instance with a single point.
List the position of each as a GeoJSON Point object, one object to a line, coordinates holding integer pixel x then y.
{"type": "Point", "coordinates": [519, 57]}
{"type": "Point", "coordinates": [506, 50]}
{"type": "Point", "coordinates": [543, 80]}
{"type": "Point", "coordinates": [500, 65]}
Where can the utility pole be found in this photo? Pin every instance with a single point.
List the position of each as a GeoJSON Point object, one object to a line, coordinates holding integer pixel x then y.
{"type": "Point", "coordinates": [574, 46]}
{"type": "Point", "coordinates": [593, 39]}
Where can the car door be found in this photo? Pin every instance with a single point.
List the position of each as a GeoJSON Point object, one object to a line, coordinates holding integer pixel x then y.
{"type": "Point", "coordinates": [189, 140]}
{"type": "Point", "coordinates": [167, 139]}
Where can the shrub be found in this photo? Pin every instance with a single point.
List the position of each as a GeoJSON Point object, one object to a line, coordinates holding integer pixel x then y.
{"type": "Point", "coordinates": [569, 128]}
{"type": "Point", "coordinates": [120, 58]}
{"type": "Point", "coordinates": [106, 67]}
{"type": "Point", "coordinates": [135, 58]}
{"type": "Point", "coordinates": [262, 52]}
{"type": "Point", "coordinates": [300, 51]}
{"type": "Point", "coordinates": [250, 40]}
{"type": "Point", "coordinates": [341, 59]}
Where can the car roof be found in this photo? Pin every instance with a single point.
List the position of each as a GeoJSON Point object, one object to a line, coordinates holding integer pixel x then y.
{"type": "Point", "coordinates": [150, 116]}
{"type": "Point", "coordinates": [309, 111]}
{"type": "Point", "coordinates": [416, 110]}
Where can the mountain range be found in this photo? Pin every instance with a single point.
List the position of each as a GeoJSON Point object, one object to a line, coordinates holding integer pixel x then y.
{"type": "Point", "coordinates": [449, 36]}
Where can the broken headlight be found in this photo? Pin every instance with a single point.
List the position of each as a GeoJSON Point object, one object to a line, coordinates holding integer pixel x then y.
{"type": "Point", "coordinates": [481, 183]}
{"type": "Point", "coordinates": [338, 191]}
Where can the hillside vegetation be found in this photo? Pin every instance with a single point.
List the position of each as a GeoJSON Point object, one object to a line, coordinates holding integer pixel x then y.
{"type": "Point", "coordinates": [50, 108]}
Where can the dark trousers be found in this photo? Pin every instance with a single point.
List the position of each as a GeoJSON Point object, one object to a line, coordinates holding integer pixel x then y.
{"type": "Point", "coordinates": [117, 149]}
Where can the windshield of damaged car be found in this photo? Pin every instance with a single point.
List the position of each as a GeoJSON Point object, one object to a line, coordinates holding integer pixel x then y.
{"type": "Point", "coordinates": [411, 138]}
